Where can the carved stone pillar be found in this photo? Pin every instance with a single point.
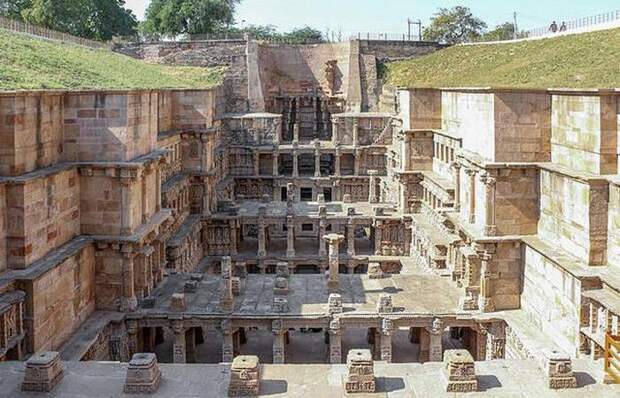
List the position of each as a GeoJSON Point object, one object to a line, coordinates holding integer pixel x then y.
{"type": "Point", "coordinates": [435, 353]}
{"type": "Point", "coordinates": [290, 236]}
{"type": "Point", "coordinates": [356, 162]}
{"type": "Point", "coordinates": [337, 156]}
{"type": "Point", "coordinates": [322, 230]}
{"type": "Point", "coordinates": [317, 159]}
{"type": "Point", "coordinates": [337, 194]}
{"type": "Point", "coordinates": [350, 238]}
{"type": "Point", "coordinates": [406, 161]}
{"type": "Point", "coordinates": [387, 327]}
{"type": "Point", "coordinates": [158, 188]}
{"type": "Point", "coordinates": [179, 348]}
{"type": "Point", "coordinates": [262, 252]}
{"type": "Point", "coordinates": [275, 170]}
{"type": "Point", "coordinates": [490, 228]}
{"type": "Point", "coordinates": [457, 186]}
{"type": "Point", "coordinates": [278, 341]}
{"type": "Point", "coordinates": [132, 337]}
{"type": "Point", "coordinates": [485, 300]}
{"type": "Point", "coordinates": [126, 181]}
{"type": "Point", "coordinates": [496, 341]}
{"type": "Point", "coordinates": [378, 237]}
{"type": "Point", "coordinates": [335, 342]}
{"type": "Point", "coordinates": [333, 241]}
{"type": "Point", "coordinates": [256, 163]}
{"type": "Point", "coordinates": [206, 196]}
{"type": "Point", "coordinates": [228, 347]}
{"type": "Point", "coordinates": [356, 132]}
{"type": "Point", "coordinates": [148, 169]}
{"type": "Point", "coordinates": [296, 133]}
{"type": "Point", "coordinates": [472, 195]}
{"type": "Point", "coordinates": [372, 187]}
{"type": "Point", "coordinates": [295, 164]}
{"type": "Point", "coordinates": [233, 237]}
{"type": "Point", "coordinates": [129, 301]}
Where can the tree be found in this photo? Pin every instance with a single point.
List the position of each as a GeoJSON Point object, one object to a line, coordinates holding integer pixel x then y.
{"type": "Point", "coordinates": [504, 31]}
{"type": "Point", "coordinates": [304, 35]}
{"type": "Point", "coordinates": [92, 19]}
{"type": "Point", "coordinates": [13, 8]}
{"type": "Point", "coordinates": [176, 17]}
{"type": "Point", "coordinates": [454, 25]}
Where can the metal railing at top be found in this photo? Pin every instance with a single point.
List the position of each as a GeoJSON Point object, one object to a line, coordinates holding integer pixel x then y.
{"type": "Point", "coordinates": [38, 31]}
{"type": "Point", "coordinates": [577, 24]}
{"type": "Point", "coordinates": [384, 36]}
{"type": "Point", "coordinates": [612, 358]}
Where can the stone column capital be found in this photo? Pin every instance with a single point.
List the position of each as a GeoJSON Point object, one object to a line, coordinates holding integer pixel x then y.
{"type": "Point", "coordinates": [488, 180]}
{"type": "Point", "coordinates": [470, 172]}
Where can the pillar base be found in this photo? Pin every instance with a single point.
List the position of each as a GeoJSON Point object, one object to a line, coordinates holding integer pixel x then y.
{"type": "Point", "coordinates": [129, 304]}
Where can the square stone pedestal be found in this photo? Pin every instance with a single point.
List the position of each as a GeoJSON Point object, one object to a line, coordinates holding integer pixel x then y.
{"type": "Point", "coordinates": [143, 374]}
{"type": "Point", "coordinates": [43, 371]}
{"type": "Point", "coordinates": [459, 371]}
{"type": "Point", "coordinates": [559, 371]}
{"type": "Point", "coordinates": [361, 377]}
{"type": "Point", "coordinates": [244, 376]}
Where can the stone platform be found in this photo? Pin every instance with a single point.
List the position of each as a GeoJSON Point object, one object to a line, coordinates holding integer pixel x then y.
{"type": "Point", "coordinates": [497, 379]}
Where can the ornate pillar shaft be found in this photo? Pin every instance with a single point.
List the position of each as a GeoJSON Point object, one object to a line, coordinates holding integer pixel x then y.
{"type": "Point", "coordinates": [356, 162]}
{"type": "Point", "coordinates": [129, 300]}
{"type": "Point", "coordinates": [132, 337]}
{"type": "Point", "coordinates": [279, 341]}
{"type": "Point", "coordinates": [335, 342]}
{"type": "Point", "coordinates": [356, 133]}
{"type": "Point", "coordinates": [317, 159]}
{"type": "Point", "coordinates": [337, 155]}
{"type": "Point", "coordinates": [372, 186]}
{"type": "Point", "coordinates": [333, 241]}
{"type": "Point", "coordinates": [256, 163]}
{"type": "Point", "coordinates": [322, 230]}
{"type": "Point", "coordinates": [296, 132]}
{"type": "Point", "coordinates": [350, 238]}
{"type": "Point", "coordinates": [496, 341]}
{"type": "Point", "coordinates": [386, 340]}
{"type": "Point", "coordinates": [457, 186]}
{"type": "Point", "coordinates": [490, 227]}
{"type": "Point", "coordinates": [406, 161]}
{"type": "Point", "coordinates": [233, 238]}
{"type": "Point", "coordinates": [158, 188]}
{"type": "Point", "coordinates": [295, 164]}
{"type": "Point", "coordinates": [435, 353]}
{"type": "Point", "coordinates": [126, 207]}
{"type": "Point", "coordinates": [378, 237]}
{"type": "Point", "coordinates": [485, 303]}
{"type": "Point", "coordinates": [472, 195]}
{"type": "Point", "coordinates": [275, 170]}
{"type": "Point", "coordinates": [228, 347]}
{"type": "Point", "coordinates": [290, 236]}
{"type": "Point", "coordinates": [206, 195]}
{"type": "Point", "coordinates": [179, 349]}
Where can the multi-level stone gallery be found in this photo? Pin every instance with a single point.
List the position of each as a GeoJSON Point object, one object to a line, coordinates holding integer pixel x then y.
{"type": "Point", "coordinates": [305, 229]}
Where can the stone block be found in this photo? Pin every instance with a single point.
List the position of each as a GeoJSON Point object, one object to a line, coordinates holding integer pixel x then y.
{"type": "Point", "coordinates": [44, 370]}
{"type": "Point", "coordinates": [384, 305]}
{"type": "Point", "coordinates": [244, 376]}
{"type": "Point", "coordinates": [143, 374]}
{"type": "Point", "coordinates": [280, 305]}
{"type": "Point", "coordinates": [334, 304]}
{"type": "Point", "coordinates": [375, 271]}
{"type": "Point", "coordinates": [190, 287]}
{"type": "Point", "coordinates": [177, 302]}
{"type": "Point", "coordinates": [559, 371]}
{"type": "Point", "coordinates": [361, 375]}
{"type": "Point", "coordinates": [459, 371]}
{"type": "Point", "coordinates": [235, 283]}
{"type": "Point", "coordinates": [281, 286]}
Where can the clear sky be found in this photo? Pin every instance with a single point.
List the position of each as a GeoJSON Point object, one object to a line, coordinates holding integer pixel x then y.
{"type": "Point", "coordinates": [390, 16]}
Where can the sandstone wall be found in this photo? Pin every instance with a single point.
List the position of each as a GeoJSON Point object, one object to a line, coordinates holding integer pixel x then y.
{"type": "Point", "coordinates": [109, 126]}
{"type": "Point", "coordinates": [516, 201]}
{"type": "Point", "coordinates": [386, 50]}
{"type": "Point", "coordinates": [470, 116]}
{"type": "Point", "coordinates": [507, 268]}
{"type": "Point", "coordinates": [300, 70]}
{"type": "Point", "coordinates": [3, 229]}
{"type": "Point", "coordinates": [43, 213]}
{"type": "Point", "coordinates": [573, 215]}
{"type": "Point", "coordinates": [108, 274]}
{"type": "Point", "coordinates": [552, 299]}
{"type": "Point", "coordinates": [425, 109]}
{"type": "Point", "coordinates": [31, 134]}
{"type": "Point", "coordinates": [613, 226]}
{"type": "Point", "coordinates": [585, 133]}
{"type": "Point", "coordinates": [59, 300]}
{"type": "Point", "coordinates": [522, 127]}
{"type": "Point", "coordinates": [195, 109]}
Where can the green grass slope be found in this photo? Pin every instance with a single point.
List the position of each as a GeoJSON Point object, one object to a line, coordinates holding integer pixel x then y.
{"type": "Point", "coordinates": [588, 60]}
{"type": "Point", "coordinates": [29, 63]}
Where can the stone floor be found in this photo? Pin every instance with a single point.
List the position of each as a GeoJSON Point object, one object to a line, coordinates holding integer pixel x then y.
{"type": "Point", "coordinates": [412, 293]}
{"type": "Point", "coordinates": [497, 379]}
